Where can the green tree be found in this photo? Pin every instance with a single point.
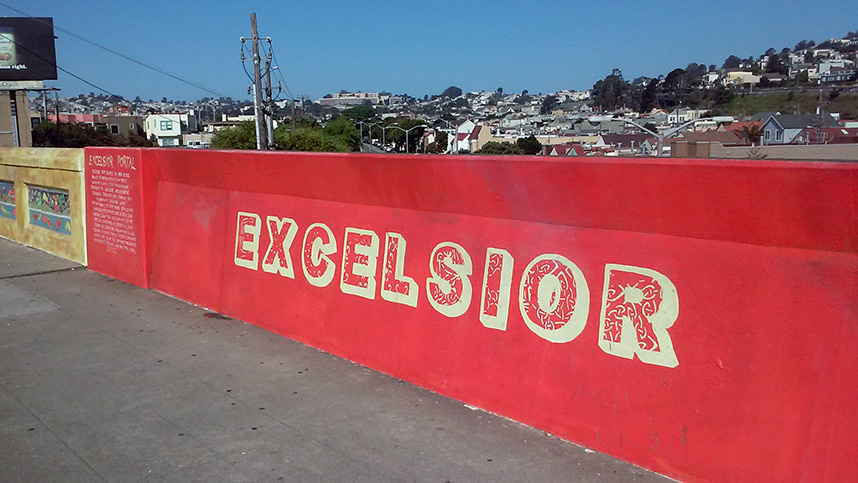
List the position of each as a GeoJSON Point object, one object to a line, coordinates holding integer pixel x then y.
{"type": "Point", "coordinates": [498, 148]}
{"type": "Point", "coordinates": [397, 136]}
{"type": "Point", "coordinates": [648, 96]}
{"type": "Point", "coordinates": [528, 145]}
{"type": "Point", "coordinates": [440, 144]}
{"type": "Point", "coordinates": [76, 135]}
{"type": "Point", "coordinates": [242, 136]}
{"type": "Point", "coordinates": [609, 93]}
{"type": "Point", "coordinates": [548, 104]}
{"type": "Point", "coordinates": [723, 96]}
{"type": "Point", "coordinates": [308, 139]}
{"type": "Point", "coordinates": [732, 62]}
{"type": "Point", "coordinates": [359, 113]}
{"type": "Point", "coordinates": [345, 130]}
{"type": "Point", "coordinates": [452, 92]}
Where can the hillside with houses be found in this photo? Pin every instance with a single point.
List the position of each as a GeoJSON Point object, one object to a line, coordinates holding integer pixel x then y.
{"type": "Point", "coordinates": [801, 96]}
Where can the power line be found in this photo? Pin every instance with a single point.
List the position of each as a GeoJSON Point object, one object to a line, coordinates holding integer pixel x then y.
{"type": "Point", "coordinates": [102, 89]}
{"type": "Point", "coordinates": [120, 54]}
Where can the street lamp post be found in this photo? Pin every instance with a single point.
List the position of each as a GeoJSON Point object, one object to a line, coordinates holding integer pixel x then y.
{"type": "Point", "coordinates": [454, 134]}
{"type": "Point", "coordinates": [361, 123]}
{"type": "Point", "coordinates": [371, 124]}
{"type": "Point", "coordinates": [406, 131]}
{"type": "Point", "coordinates": [660, 136]}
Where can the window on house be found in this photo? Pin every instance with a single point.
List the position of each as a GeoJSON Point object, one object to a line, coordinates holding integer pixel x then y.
{"type": "Point", "coordinates": [166, 125]}
{"type": "Point", "coordinates": [779, 135]}
{"type": "Point", "coordinates": [114, 129]}
{"type": "Point", "coordinates": [768, 135]}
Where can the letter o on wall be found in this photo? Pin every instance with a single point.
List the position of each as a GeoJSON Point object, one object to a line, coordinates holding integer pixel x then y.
{"type": "Point", "coordinates": [553, 298]}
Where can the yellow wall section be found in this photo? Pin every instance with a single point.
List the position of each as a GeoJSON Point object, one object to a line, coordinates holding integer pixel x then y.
{"type": "Point", "coordinates": [60, 168]}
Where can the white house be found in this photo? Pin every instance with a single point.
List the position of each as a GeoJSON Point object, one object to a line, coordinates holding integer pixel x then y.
{"type": "Point", "coordinates": [681, 115]}
{"type": "Point", "coordinates": [167, 129]}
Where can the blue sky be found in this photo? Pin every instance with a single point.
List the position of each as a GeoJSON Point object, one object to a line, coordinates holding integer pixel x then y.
{"type": "Point", "coordinates": [416, 47]}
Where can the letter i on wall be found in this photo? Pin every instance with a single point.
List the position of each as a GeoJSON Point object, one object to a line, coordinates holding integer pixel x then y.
{"type": "Point", "coordinates": [638, 306]}
{"type": "Point", "coordinates": [497, 282]}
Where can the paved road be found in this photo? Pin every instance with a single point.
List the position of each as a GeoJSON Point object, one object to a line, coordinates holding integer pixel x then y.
{"type": "Point", "coordinates": [102, 381]}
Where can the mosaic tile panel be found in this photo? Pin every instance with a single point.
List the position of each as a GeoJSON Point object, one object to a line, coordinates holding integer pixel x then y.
{"type": "Point", "coordinates": [7, 199]}
{"type": "Point", "coordinates": [49, 208]}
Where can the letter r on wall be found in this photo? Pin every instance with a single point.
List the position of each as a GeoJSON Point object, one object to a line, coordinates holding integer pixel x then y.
{"type": "Point", "coordinates": [638, 306]}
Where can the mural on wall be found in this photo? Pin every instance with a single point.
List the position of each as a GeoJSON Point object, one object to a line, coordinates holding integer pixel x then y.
{"type": "Point", "coordinates": [7, 199]}
{"type": "Point", "coordinates": [49, 208]}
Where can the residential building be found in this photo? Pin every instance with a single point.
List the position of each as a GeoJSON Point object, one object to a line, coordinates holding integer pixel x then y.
{"type": "Point", "coordinates": [564, 149]}
{"type": "Point", "coordinates": [827, 135]}
{"type": "Point", "coordinates": [783, 128]}
{"type": "Point", "coordinates": [839, 75]}
{"type": "Point", "coordinates": [347, 99]}
{"type": "Point", "coordinates": [682, 115]}
{"type": "Point", "coordinates": [167, 129]}
{"type": "Point", "coordinates": [740, 78]}
{"type": "Point", "coordinates": [124, 125]}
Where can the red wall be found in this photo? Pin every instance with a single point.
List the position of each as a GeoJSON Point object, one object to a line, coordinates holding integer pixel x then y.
{"type": "Point", "coordinates": [689, 316]}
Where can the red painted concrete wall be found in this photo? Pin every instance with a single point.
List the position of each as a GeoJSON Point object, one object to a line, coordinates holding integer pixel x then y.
{"type": "Point", "coordinates": [120, 213]}
{"type": "Point", "coordinates": [693, 317]}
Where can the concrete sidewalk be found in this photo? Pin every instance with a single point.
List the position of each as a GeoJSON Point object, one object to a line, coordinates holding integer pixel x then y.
{"type": "Point", "coordinates": [103, 381]}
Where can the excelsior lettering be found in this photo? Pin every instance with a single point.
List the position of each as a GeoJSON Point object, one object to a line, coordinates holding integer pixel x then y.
{"type": "Point", "coordinates": [639, 305]}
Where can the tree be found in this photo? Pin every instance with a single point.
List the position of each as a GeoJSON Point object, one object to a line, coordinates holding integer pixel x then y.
{"type": "Point", "coordinates": [345, 131]}
{"type": "Point", "coordinates": [528, 145]}
{"type": "Point", "coordinates": [359, 113]}
{"type": "Point", "coordinates": [776, 64]}
{"type": "Point", "coordinates": [76, 135]}
{"type": "Point", "coordinates": [242, 136]}
{"type": "Point", "coordinates": [609, 93]}
{"type": "Point", "coordinates": [732, 62]}
{"type": "Point", "coordinates": [499, 148]}
{"type": "Point", "coordinates": [723, 96]}
{"type": "Point", "coordinates": [752, 134]}
{"type": "Point", "coordinates": [452, 92]}
{"type": "Point", "coordinates": [648, 96]}
{"type": "Point", "coordinates": [548, 104]}
{"type": "Point", "coordinates": [440, 144]}
{"type": "Point", "coordinates": [500, 91]}
{"type": "Point", "coordinates": [308, 139]}
{"type": "Point", "coordinates": [397, 136]}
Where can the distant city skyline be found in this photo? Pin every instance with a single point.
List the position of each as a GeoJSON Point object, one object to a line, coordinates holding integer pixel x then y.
{"type": "Point", "coordinates": [325, 47]}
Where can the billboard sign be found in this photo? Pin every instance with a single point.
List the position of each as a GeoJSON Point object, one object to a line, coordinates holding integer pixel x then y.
{"type": "Point", "coordinates": [27, 49]}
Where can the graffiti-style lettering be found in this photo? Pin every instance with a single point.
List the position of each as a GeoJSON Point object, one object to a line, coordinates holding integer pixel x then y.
{"type": "Point", "coordinates": [247, 240]}
{"type": "Point", "coordinates": [319, 243]}
{"type": "Point", "coordinates": [554, 298]}
{"type": "Point", "coordinates": [497, 281]}
{"type": "Point", "coordinates": [395, 286]}
{"type": "Point", "coordinates": [281, 234]}
{"type": "Point", "coordinates": [449, 288]}
{"type": "Point", "coordinates": [360, 258]}
{"type": "Point", "coordinates": [638, 306]}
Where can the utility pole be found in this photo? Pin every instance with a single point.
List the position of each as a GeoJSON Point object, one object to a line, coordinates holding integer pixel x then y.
{"type": "Point", "coordinates": [257, 87]}
{"type": "Point", "coordinates": [268, 96]}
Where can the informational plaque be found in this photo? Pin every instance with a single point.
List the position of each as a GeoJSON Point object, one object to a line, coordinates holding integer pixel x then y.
{"type": "Point", "coordinates": [116, 235]}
